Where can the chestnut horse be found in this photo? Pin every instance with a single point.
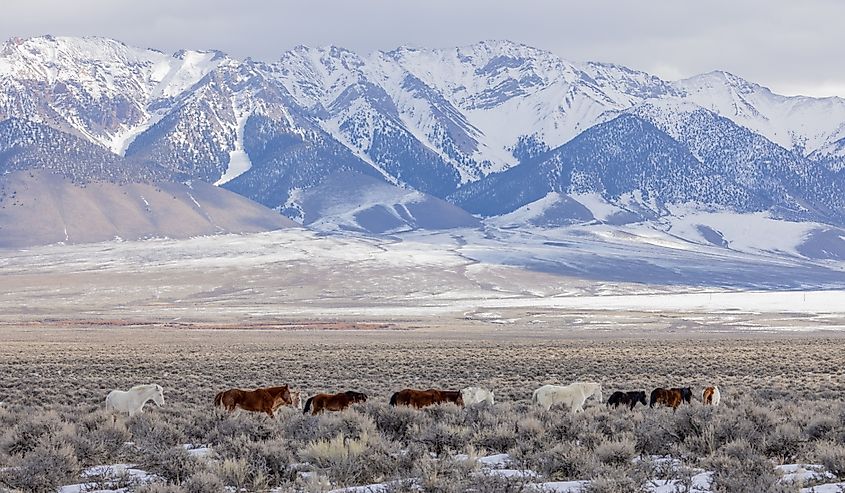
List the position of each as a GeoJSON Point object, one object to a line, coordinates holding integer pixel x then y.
{"type": "Point", "coordinates": [332, 402]}
{"type": "Point", "coordinates": [670, 397]}
{"type": "Point", "coordinates": [422, 398]}
{"type": "Point", "coordinates": [266, 400]}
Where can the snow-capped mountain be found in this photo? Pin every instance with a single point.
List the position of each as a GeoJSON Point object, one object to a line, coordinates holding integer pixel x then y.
{"type": "Point", "coordinates": [493, 127]}
{"type": "Point", "coordinates": [98, 88]}
{"type": "Point", "coordinates": [802, 124]}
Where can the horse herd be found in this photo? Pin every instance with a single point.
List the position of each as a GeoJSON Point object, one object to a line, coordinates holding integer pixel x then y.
{"type": "Point", "coordinates": [268, 400]}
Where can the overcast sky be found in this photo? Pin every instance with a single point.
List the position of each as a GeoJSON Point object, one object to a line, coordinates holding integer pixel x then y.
{"type": "Point", "coordinates": [791, 46]}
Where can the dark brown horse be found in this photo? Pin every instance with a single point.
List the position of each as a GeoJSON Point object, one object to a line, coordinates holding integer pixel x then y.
{"type": "Point", "coordinates": [667, 397]}
{"type": "Point", "coordinates": [333, 402]}
{"type": "Point", "coordinates": [265, 400]}
{"type": "Point", "coordinates": [422, 398]}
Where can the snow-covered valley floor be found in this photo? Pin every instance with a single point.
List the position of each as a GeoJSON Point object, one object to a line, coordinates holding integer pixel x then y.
{"type": "Point", "coordinates": [492, 275]}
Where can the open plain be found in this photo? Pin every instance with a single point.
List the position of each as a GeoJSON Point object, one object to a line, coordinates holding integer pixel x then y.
{"type": "Point", "coordinates": [328, 313]}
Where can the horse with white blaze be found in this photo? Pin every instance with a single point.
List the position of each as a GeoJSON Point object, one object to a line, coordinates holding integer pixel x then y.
{"type": "Point", "coordinates": [477, 395]}
{"type": "Point", "coordinates": [132, 401]}
{"type": "Point", "coordinates": [573, 395]}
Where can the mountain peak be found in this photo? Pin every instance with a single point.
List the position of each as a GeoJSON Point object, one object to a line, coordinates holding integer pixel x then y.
{"type": "Point", "coordinates": [717, 78]}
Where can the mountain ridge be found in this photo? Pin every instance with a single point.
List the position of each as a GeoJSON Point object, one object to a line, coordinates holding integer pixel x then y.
{"type": "Point", "coordinates": [456, 123]}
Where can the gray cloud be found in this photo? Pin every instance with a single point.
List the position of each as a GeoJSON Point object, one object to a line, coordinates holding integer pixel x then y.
{"type": "Point", "coordinates": [792, 47]}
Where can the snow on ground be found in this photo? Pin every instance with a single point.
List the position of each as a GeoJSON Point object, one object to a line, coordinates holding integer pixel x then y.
{"type": "Point", "coordinates": [600, 208]}
{"type": "Point", "coordinates": [825, 488]}
{"type": "Point", "coordinates": [489, 272]}
{"type": "Point", "coordinates": [756, 232]}
{"type": "Point", "coordinates": [803, 473]}
{"type": "Point", "coordinates": [758, 302]}
{"type": "Point", "coordinates": [497, 464]}
{"type": "Point", "coordinates": [700, 483]}
{"type": "Point", "coordinates": [239, 162]}
{"type": "Point", "coordinates": [564, 486]}
{"type": "Point", "coordinates": [200, 452]}
{"type": "Point", "coordinates": [99, 478]}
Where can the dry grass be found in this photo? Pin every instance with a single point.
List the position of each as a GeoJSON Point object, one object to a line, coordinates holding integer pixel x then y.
{"type": "Point", "coordinates": [781, 403]}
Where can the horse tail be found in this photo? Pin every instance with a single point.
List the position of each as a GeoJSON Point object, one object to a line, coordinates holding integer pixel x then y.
{"type": "Point", "coordinates": [653, 398]}
{"type": "Point", "coordinates": [218, 399]}
{"type": "Point", "coordinates": [308, 405]}
{"type": "Point", "coordinates": [394, 398]}
{"type": "Point", "coordinates": [535, 397]}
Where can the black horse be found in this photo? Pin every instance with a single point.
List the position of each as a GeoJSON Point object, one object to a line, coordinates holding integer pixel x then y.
{"type": "Point", "coordinates": [629, 399]}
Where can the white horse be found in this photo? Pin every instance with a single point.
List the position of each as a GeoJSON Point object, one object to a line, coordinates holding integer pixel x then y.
{"type": "Point", "coordinates": [476, 395]}
{"type": "Point", "coordinates": [712, 395]}
{"type": "Point", "coordinates": [573, 395]}
{"type": "Point", "coordinates": [132, 401]}
{"type": "Point", "coordinates": [717, 395]}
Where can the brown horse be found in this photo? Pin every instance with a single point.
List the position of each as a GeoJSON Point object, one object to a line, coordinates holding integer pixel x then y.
{"type": "Point", "coordinates": [332, 402]}
{"type": "Point", "coordinates": [668, 397]}
{"type": "Point", "coordinates": [265, 400]}
{"type": "Point", "coordinates": [422, 398]}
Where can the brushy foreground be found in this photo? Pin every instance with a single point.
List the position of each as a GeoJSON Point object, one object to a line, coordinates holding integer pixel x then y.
{"type": "Point", "coordinates": [53, 426]}
{"type": "Point", "coordinates": [374, 443]}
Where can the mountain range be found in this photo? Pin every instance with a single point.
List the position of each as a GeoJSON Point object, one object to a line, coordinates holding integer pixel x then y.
{"type": "Point", "coordinates": [419, 138]}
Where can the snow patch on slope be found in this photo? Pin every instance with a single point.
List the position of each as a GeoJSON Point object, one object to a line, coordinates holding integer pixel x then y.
{"type": "Point", "coordinates": [239, 162]}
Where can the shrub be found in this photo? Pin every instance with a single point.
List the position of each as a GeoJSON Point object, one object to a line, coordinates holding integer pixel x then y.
{"type": "Point", "coordinates": [235, 473]}
{"type": "Point", "coordinates": [783, 443]}
{"type": "Point", "coordinates": [821, 427]}
{"type": "Point", "coordinates": [568, 461]}
{"type": "Point", "coordinates": [351, 424]}
{"type": "Point", "coordinates": [616, 483]}
{"type": "Point", "coordinates": [832, 457]}
{"type": "Point", "coordinates": [499, 438]}
{"type": "Point", "coordinates": [737, 467]}
{"type": "Point", "coordinates": [160, 488]}
{"type": "Point", "coordinates": [45, 468]}
{"type": "Point", "coordinates": [397, 422]}
{"type": "Point", "coordinates": [616, 453]}
{"type": "Point", "coordinates": [349, 461]}
{"type": "Point", "coordinates": [151, 433]}
{"type": "Point", "coordinates": [271, 459]}
{"type": "Point", "coordinates": [440, 437]}
{"type": "Point", "coordinates": [447, 475]}
{"type": "Point", "coordinates": [102, 444]}
{"type": "Point", "coordinates": [174, 464]}
{"type": "Point", "coordinates": [204, 482]}
{"type": "Point", "coordinates": [24, 437]}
